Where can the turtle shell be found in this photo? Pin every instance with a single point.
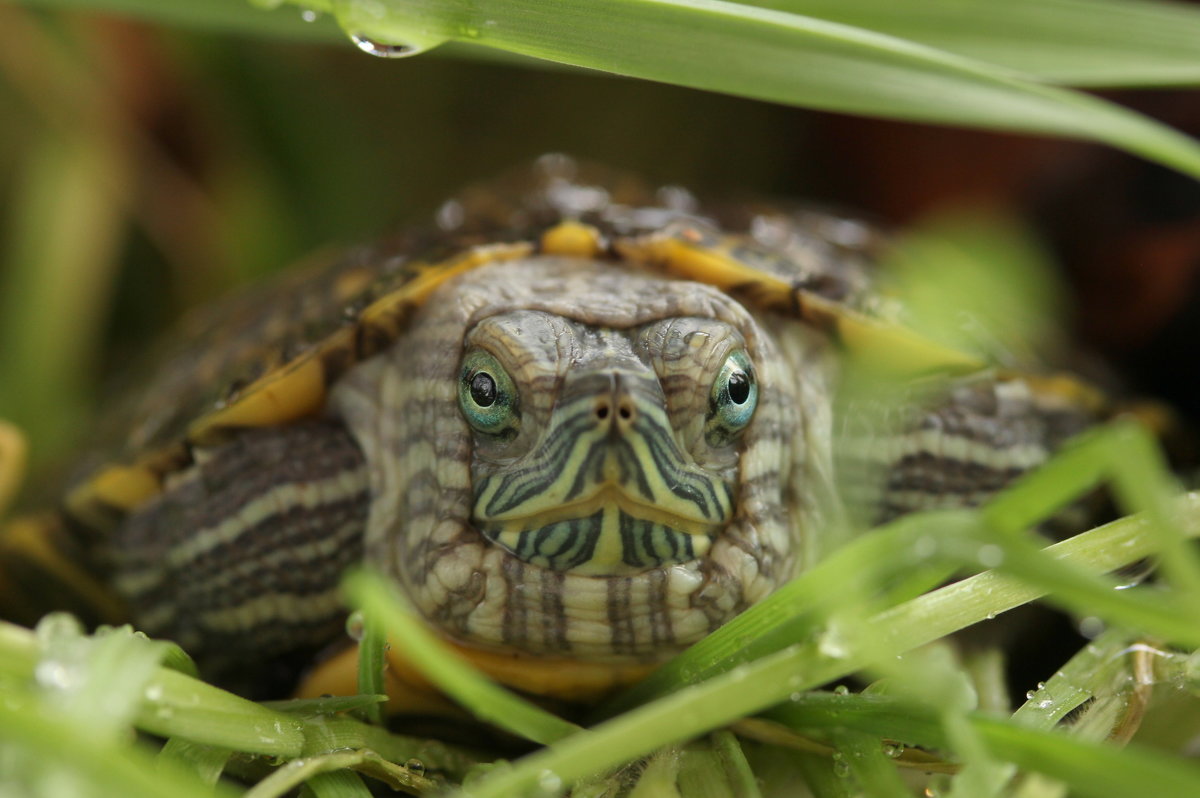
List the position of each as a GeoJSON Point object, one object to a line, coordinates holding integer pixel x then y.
{"type": "Point", "coordinates": [268, 356]}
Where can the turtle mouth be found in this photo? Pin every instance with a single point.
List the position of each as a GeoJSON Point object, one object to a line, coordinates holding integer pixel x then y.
{"type": "Point", "coordinates": [609, 533]}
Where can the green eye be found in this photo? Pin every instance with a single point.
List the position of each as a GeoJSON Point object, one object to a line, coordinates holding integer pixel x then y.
{"type": "Point", "coordinates": [487, 395]}
{"type": "Point", "coordinates": [732, 401]}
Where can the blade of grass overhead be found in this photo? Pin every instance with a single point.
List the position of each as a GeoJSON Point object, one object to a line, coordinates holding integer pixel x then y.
{"type": "Point", "coordinates": [1094, 43]}
{"type": "Point", "coordinates": [229, 16]}
{"type": "Point", "coordinates": [769, 55]}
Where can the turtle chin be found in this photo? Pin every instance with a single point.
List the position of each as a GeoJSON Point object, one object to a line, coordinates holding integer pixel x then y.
{"type": "Point", "coordinates": [609, 541]}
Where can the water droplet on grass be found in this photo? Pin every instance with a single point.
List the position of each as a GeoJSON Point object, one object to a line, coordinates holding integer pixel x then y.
{"type": "Point", "coordinates": [382, 49]}
{"type": "Point", "coordinates": [415, 767]}
{"type": "Point", "coordinates": [990, 556]}
{"type": "Point", "coordinates": [55, 675]}
{"type": "Point", "coordinates": [549, 781]}
{"type": "Point", "coordinates": [1091, 627]}
{"type": "Point", "coordinates": [356, 626]}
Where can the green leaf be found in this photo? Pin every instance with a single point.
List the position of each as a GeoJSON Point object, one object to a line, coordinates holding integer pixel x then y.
{"type": "Point", "coordinates": [768, 55]}
{"type": "Point", "coordinates": [233, 16]}
{"type": "Point", "coordinates": [1074, 42]}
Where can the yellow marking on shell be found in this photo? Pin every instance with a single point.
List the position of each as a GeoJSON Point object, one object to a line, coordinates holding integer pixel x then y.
{"type": "Point", "coordinates": [1067, 388]}
{"type": "Point", "coordinates": [385, 311]}
{"type": "Point", "coordinates": [284, 395]}
{"type": "Point", "coordinates": [884, 346]}
{"type": "Point", "coordinates": [298, 389]}
{"type": "Point", "coordinates": [120, 487]}
{"type": "Point", "coordinates": [27, 535]}
{"type": "Point", "coordinates": [410, 692]}
{"type": "Point", "coordinates": [572, 239]}
{"type": "Point", "coordinates": [351, 283]}
{"type": "Point", "coordinates": [14, 450]}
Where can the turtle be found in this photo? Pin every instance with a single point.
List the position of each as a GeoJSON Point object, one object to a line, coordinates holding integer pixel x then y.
{"type": "Point", "coordinates": [579, 422]}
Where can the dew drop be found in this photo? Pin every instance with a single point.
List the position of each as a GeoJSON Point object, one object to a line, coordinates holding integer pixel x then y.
{"type": "Point", "coordinates": [1030, 694]}
{"type": "Point", "coordinates": [382, 49]}
{"type": "Point", "coordinates": [450, 216]}
{"type": "Point", "coordinates": [840, 766]}
{"type": "Point", "coordinates": [379, 32]}
{"type": "Point", "coordinates": [832, 645]}
{"type": "Point", "coordinates": [154, 692]}
{"type": "Point", "coordinates": [355, 626]}
{"type": "Point", "coordinates": [549, 781]}
{"type": "Point", "coordinates": [990, 556]}
{"type": "Point", "coordinates": [795, 696]}
{"type": "Point", "coordinates": [1091, 627]}
{"type": "Point", "coordinates": [58, 626]}
{"type": "Point", "coordinates": [893, 750]}
{"type": "Point", "coordinates": [841, 689]}
{"type": "Point", "coordinates": [55, 675]}
{"type": "Point", "coordinates": [308, 15]}
{"type": "Point", "coordinates": [415, 767]}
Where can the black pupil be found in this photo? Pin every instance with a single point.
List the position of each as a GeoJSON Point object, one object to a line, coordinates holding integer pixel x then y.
{"type": "Point", "coordinates": [483, 389]}
{"type": "Point", "coordinates": [739, 387]}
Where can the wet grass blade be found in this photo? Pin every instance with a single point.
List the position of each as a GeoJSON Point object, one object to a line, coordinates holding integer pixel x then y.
{"type": "Point", "coordinates": [767, 55]}
{"type": "Point", "coordinates": [1074, 42]}
{"type": "Point", "coordinates": [233, 16]}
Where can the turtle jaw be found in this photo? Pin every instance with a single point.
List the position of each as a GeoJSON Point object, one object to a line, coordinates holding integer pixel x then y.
{"type": "Point", "coordinates": [608, 492]}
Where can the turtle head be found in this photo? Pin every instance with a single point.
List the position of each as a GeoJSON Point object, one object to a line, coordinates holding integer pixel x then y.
{"type": "Point", "coordinates": [587, 460]}
{"type": "Point", "coordinates": [605, 451]}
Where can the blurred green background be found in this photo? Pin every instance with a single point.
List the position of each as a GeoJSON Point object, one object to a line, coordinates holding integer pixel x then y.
{"type": "Point", "coordinates": [145, 169]}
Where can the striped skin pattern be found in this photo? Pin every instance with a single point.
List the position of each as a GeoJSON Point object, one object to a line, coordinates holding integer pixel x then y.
{"type": "Point", "coordinates": [572, 333]}
{"type": "Point", "coordinates": [958, 448]}
{"type": "Point", "coordinates": [240, 559]}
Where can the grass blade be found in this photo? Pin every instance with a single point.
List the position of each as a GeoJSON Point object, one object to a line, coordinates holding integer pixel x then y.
{"type": "Point", "coordinates": [374, 596]}
{"type": "Point", "coordinates": [1074, 42]}
{"type": "Point", "coordinates": [768, 55]}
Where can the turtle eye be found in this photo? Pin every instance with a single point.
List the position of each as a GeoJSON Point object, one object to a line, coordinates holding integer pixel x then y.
{"type": "Point", "coordinates": [732, 401]}
{"type": "Point", "coordinates": [487, 395]}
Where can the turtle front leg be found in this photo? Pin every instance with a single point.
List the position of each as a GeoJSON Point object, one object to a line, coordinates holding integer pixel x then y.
{"type": "Point", "coordinates": [239, 559]}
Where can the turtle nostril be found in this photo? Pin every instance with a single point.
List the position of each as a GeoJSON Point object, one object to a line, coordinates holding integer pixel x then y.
{"type": "Point", "coordinates": [602, 411]}
{"type": "Point", "coordinates": [625, 411]}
